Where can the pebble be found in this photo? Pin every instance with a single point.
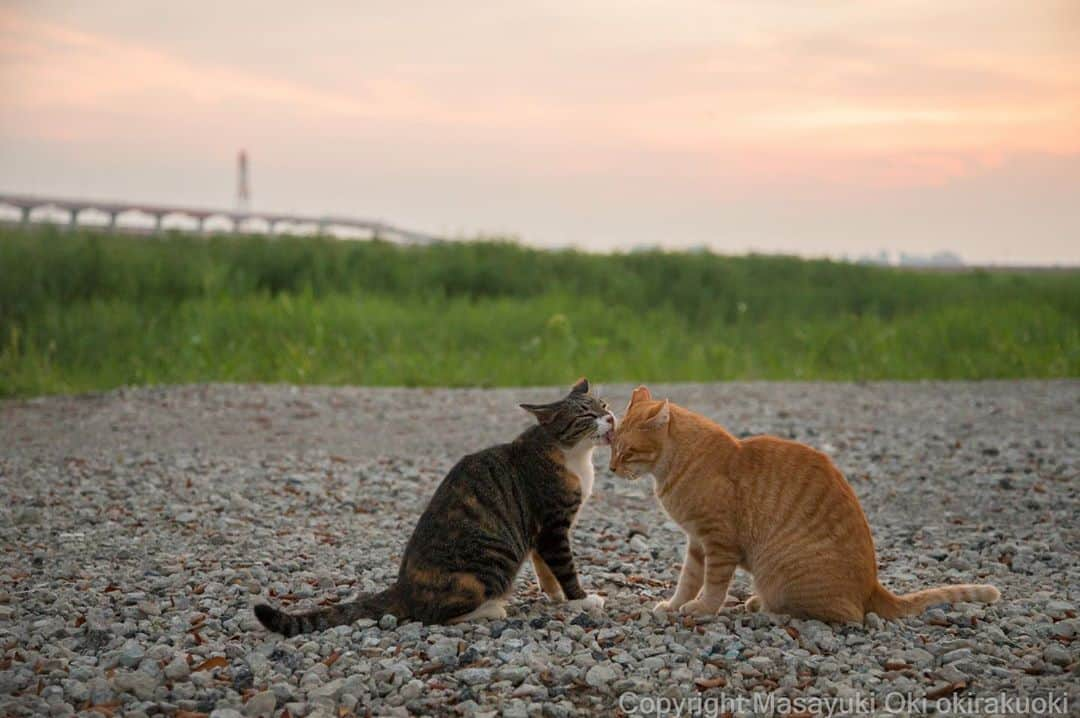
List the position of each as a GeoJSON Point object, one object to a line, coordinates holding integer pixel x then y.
{"type": "Point", "coordinates": [142, 685]}
{"type": "Point", "coordinates": [177, 670]}
{"type": "Point", "coordinates": [1057, 655]}
{"type": "Point", "coordinates": [474, 676]}
{"type": "Point", "coordinates": [960, 654]}
{"type": "Point", "coordinates": [514, 674]}
{"type": "Point", "coordinates": [225, 713]}
{"type": "Point", "coordinates": [131, 655]}
{"type": "Point", "coordinates": [599, 675]}
{"type": "Point", "coordinates": [261, 704]}
{"type": "Point", "coordinates": [412, 690]}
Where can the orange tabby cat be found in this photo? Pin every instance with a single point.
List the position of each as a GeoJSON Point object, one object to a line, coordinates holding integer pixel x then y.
{"type": "Point", "coordinates": [777, 508]}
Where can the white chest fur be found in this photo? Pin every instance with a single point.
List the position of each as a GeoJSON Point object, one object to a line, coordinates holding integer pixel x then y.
{"type": "Point", "coordinates": [579, 461]}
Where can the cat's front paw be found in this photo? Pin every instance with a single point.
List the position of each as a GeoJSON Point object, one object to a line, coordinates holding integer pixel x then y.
{"type": "Point", "coordinates": [665, 607]}
{"type": "Point", "coordinates": [591, 602]}
{"type": "Point", "coordinates": [698, 608]}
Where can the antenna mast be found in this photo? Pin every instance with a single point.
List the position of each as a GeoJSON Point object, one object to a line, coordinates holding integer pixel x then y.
{"type": "Point", "coordinates": [243, 196]}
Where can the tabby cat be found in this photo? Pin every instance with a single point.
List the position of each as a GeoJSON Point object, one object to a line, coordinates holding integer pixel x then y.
{"type": "Point", "coordinates": [776, 508]}
{"type": "Point", "coordinates": [493, 510]}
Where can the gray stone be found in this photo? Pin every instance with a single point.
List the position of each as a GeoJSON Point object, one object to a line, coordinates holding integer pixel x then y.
{"type": "Point", "coordinates": [514, 674]}
{"type": "Point", "coordinates": [445, 648]}
{"type": "Point", "coordinates": [653, 664]}
{"type": "Point", "coordinates": [516, 709]}
{"type": "Point", "coordinates": [960, 654]}
{"type": "Point", "coordinates": [330, 690]}
{"type": "Point", "coordinates": [261, 704]}
{"type": "Point", "coordinates": [951, 674]}
{"type": "Point", "coordinates": [600, 675]}
{"type": "Point", "coordinates": [474, 676]}
{"type": "Point", "coordinates": [136, 682]}
{"type": "Point", "coordinates": [131, 655]}
{"type": "Point", "coordinates": [1057, 655]}
{"type": "Point", "coordinates": [413, 689]}
{"type": "Point", "coordinates": [177, 670]}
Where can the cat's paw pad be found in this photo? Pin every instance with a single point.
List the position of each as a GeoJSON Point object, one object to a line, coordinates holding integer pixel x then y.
{"type": "Point", "coordinates": [698, 608]}
{"type": "Point", "coordinates": [591, 602]}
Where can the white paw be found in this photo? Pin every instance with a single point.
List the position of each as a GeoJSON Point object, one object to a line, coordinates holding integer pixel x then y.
{"type": "Point", "coordinates": [698, 608]}
{"type": "Point", "coordinates": [664, 607]}
{"type": "Point", "coordinates": [590, 603]}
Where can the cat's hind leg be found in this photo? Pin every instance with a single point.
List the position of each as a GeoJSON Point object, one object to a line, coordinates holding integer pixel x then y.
{"type": "Point", "coordinates": [833, 611]}
{"type": "Point", "coordinates": [495, 610]}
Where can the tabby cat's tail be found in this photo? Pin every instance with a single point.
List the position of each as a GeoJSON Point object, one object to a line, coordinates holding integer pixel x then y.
{"type": "Point", "coordinates": [373, 605]}
{"type": "Point", "coordinates": [888, 605]}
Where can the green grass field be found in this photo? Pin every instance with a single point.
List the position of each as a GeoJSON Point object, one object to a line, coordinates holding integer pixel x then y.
{"type": "Point", "coordinates": [91, 311]}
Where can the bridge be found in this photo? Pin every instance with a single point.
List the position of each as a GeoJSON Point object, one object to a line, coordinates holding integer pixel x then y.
{"type": "Point", "coordinates": [150, 218]}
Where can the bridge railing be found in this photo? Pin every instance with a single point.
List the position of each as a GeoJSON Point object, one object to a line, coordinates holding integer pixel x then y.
{"type": "Point", "coordinates": [156, 218]}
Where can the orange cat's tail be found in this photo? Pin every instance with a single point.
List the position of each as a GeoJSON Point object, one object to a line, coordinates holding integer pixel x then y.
{"type": "Point", "coordinates": [888, 605]}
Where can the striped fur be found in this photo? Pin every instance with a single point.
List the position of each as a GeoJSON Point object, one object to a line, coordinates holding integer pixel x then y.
{"type": "Point", "coordinates": [776, 508]}
{"type": "Point", "coordinates": [290, 624]}
{"type": "Point", "coordinates": [492, 511]}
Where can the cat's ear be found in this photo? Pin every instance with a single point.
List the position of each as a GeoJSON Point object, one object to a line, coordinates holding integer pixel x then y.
{"type": "Point", "coordinates": [582, 386]}
{"type": "Point", "coordinates": [642, 393]}
{"type": "Point", "coordinates": [543, 412]}
{"type": "Point", "coordinates": [659, 419]}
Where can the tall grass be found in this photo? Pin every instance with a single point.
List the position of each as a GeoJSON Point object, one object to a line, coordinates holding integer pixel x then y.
{"type": "Point", "coordinates": [91, 311]}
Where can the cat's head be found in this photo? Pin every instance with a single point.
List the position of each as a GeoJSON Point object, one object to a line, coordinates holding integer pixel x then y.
{"type": "Point", "coordinates": [578, 417]}
{"type": "Point", "coordinates": [639, 439]}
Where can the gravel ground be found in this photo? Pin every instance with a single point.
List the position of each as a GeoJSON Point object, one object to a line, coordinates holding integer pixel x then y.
{"type": "Point", "coordinates": [139, 527]}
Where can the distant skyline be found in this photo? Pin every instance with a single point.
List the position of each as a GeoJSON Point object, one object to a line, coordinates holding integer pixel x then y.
{"type": "Point", "coordinates": [838, 129]}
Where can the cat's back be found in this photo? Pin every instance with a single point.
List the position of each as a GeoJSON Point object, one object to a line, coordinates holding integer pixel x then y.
{"type": "Point", "coordinates": [478, 471]}
{"type": "Point", "coordinates": [502, 471]}
{"type": "Point", "coordinates": [781, 457]}
{"type": "Point", "coordinates": [797, 490]}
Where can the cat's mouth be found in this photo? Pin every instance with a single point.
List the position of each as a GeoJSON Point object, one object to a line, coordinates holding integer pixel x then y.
{"type": "Point", "coordinates": [608, 437]}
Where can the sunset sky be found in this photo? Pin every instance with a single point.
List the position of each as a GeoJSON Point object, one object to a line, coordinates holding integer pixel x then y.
{"type": "Point", "coordinates": [819, 128]}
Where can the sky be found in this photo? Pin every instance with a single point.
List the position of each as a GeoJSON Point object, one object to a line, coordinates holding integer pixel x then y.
{"type": "Point", "coordinates": [828, 128]}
